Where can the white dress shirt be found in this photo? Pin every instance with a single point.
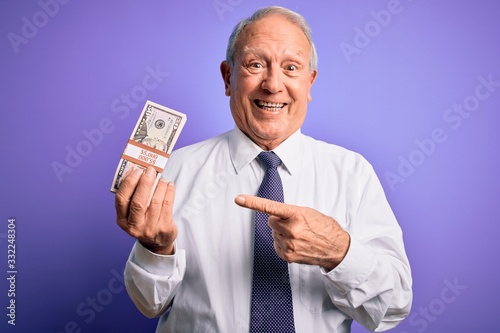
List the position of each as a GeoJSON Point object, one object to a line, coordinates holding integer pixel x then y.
{"type": "Point", "coordinates": [210, 274]}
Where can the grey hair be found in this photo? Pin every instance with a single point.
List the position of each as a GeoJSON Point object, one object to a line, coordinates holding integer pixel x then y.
{"type": "Point", "coordinates": [292, 16]}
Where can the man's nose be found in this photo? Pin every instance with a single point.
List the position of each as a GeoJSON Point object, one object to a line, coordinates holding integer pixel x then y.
{"type": "Point", "coordinates": [272, 81]}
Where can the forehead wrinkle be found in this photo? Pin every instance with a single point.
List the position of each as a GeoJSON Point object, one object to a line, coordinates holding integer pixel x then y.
{"type": "Point", "coordinates": [262, 51]}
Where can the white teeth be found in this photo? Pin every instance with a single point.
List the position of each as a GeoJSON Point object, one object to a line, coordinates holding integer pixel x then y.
{"type": "Point", "coordinates": [270, 105]}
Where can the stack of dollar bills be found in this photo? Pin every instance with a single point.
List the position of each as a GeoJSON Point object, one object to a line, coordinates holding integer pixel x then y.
{"type": "Point", "coordinates": [151, 142]}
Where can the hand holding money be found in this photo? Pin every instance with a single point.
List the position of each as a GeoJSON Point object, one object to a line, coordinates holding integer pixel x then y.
{"type": "Point", "coordinates": [151, 223]}
{"type": "Point", "coordinates": [143, 199]}
{"type": "Point", "coordinates": [151, 142]}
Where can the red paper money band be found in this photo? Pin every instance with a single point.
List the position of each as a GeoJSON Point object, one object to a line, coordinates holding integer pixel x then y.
{"type": "Point", "coordinates": [145, 156]}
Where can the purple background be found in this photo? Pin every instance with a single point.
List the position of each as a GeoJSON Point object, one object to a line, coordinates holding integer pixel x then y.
{"type": "Point", "coordinates": [66, 77]}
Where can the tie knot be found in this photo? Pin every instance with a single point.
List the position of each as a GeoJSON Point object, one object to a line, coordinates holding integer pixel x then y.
{"type": "Point", "coordinates": [269, 159]}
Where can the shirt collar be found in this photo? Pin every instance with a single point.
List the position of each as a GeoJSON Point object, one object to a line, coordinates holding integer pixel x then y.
{"type": "Point", "coordinates": [243, 150]}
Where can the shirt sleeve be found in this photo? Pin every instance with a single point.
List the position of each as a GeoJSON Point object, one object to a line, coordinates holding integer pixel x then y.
{"type": "Point", "coordinates": [152, 279]}
{"type": "Point", "coordinates": [373, 283]}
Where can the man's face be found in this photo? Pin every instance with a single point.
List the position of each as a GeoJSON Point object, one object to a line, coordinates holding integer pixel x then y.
{"type": "Point", "coordinates": [270, 82]}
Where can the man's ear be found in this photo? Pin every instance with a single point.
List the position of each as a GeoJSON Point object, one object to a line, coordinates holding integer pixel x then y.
{"type": "Point", "coordinates": [312, 78]}
{"type": "Point", "coordinates": [226, 71]}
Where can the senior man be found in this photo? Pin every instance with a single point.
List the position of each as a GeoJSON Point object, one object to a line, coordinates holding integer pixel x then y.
{"type": "Point", "coordinates": [319, 245]}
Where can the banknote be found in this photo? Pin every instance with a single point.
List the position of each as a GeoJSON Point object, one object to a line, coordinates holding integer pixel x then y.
{"type": "Point", "coordinates": [151, 142]}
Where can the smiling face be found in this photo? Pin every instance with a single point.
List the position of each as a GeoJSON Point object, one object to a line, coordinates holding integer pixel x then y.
{"type": "Point", "coordinates": [270, 83]}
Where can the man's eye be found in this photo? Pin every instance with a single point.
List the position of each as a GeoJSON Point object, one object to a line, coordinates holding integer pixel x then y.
{"type": "Point", "coordinates": [291, 68]}
{"type": "Point", "coordinates": [256, 65]}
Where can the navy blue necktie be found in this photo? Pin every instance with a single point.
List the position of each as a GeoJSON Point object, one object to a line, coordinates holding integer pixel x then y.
{"type": "Point", "coordinates": [272, 307]}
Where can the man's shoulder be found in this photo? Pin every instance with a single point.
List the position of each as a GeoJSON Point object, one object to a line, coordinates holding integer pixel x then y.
{"type": "Point", "coordinates": [338, 157]}
{"type": "Point", "coordinates": [193, 157]}
{"type": "Point", "coordinates": [330, 150]}
{"type": "Point", "coordinates": [203, 147]}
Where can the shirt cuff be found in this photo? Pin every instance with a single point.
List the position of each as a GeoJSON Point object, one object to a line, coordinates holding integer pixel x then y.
{"type": "Point", "coordinates": [157, 264]}
{"type": "Point", "coordinates": [357, 265]}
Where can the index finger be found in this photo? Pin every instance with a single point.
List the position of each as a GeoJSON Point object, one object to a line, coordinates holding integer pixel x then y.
{"type": "Point", "coordinates": [269, 207]}
{"type": "Point", "coordinates": [135, 192]}
{"type": "Point", "coordinates": [125, 192]}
